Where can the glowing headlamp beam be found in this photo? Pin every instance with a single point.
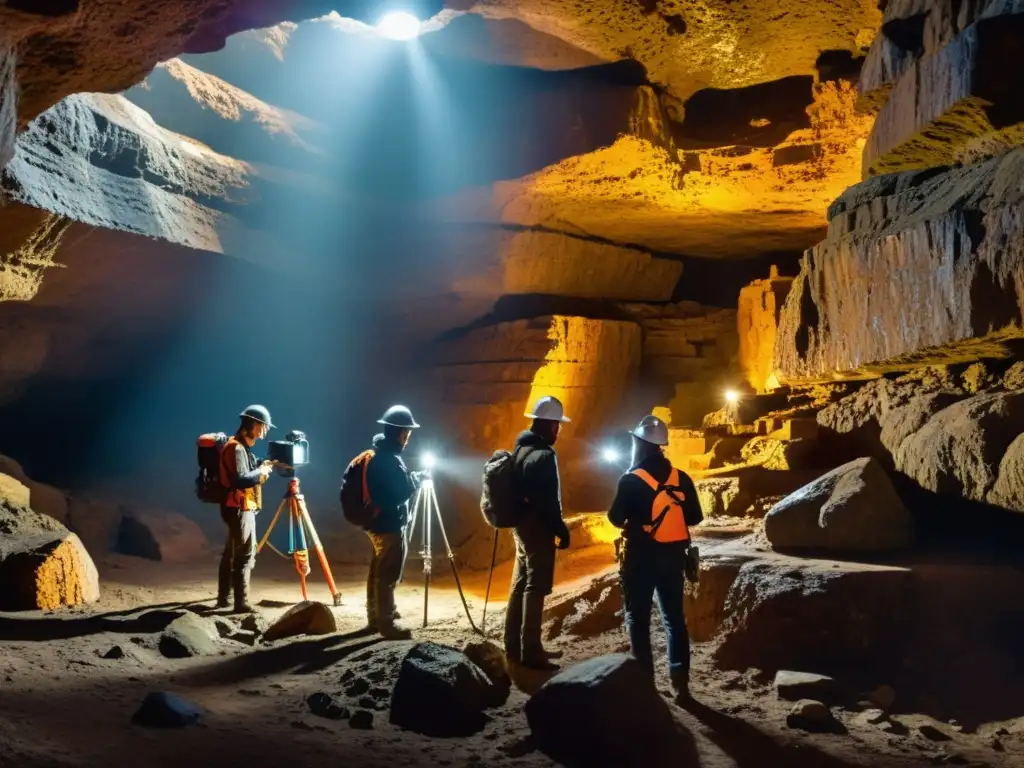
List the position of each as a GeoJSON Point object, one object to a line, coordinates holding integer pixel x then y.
{"type": "Point", "coordinates": [610, 455]}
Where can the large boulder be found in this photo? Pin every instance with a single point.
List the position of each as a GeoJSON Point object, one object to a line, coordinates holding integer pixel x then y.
{"type": "Point", "coordinates": [607, 712]}
{"type": "Point", "coordinates": [160, 535]}
{"type": "Point", "coordinates": [960, 449]}
{"type": "Point", "coordinates": [46, 570]}
{"type": "Point", "coordinates": [853, 507]}
{"type": "Point", "coordinates": [491, 660]}
{"type": "Point", "coordinates": [305, 618]}
{"type": "Point", "coordinates": [784, 612]}
{"type": "Point", "coordinates": [189, 635]}
{"type": "Point", "coordinates": [440, 692]}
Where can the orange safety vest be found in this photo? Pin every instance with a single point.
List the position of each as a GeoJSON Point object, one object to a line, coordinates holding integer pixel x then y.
{"type": "Point", "coordinates": [246, 499]}
{"type": "Point", "coordinates": [667, 522]}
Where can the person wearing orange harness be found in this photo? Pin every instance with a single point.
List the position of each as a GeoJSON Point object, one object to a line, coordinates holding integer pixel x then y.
{"type": "Point", "coordinates": [655, 505]}
{"type": "Point", "coordinates": [242, 477]}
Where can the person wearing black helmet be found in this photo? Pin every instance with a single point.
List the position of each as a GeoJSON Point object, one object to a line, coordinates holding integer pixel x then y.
{"type": "Point", "coordinates": [390, 485]}
{"type": "Point", "coordinates": [243, 476]}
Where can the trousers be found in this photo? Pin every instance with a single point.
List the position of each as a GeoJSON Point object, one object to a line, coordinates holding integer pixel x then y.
{"type": "Point", "coordinates": [533, 578]}
{"type": "Point", "coordinates": [650, 569]}
{"type": "Point", "coordinates": [385, 568]}
{"type": "Point", "coordinates": [239, 556]}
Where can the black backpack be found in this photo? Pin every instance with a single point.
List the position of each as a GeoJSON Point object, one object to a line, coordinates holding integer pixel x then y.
{"type": "Point", "coordinates": [208, 486]}
{"type": "Point", "coordinates": [356, 504]}
{"type": "Point", "coordinates": [501, 500]}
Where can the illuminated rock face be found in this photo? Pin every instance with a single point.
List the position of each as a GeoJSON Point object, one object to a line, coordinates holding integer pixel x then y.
{"type": "Point", "coordinates": [918, 268]}
{"type": "Point", "coordinates": [760, 306]}
{"type": "Point", "coordinates": [922, 265]}
{"type": "Point", "coordinates": [488, 379]}
{"type": "Point", "coordinates": [47, 572]}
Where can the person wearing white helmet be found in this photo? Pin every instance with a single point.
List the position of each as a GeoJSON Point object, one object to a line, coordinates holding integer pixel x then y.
{"type": "Point", "coordinates": [540, 525]}
{"type": "Point", "coordinates": [242, 477]}
{"type": "Point", "coordinates": [655, 504]}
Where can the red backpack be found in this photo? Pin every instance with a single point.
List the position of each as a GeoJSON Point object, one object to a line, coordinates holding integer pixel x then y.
{"type": "Point", "coordinates": [208, 485]}
{"type": "Point", "coordinates": [356, 504]}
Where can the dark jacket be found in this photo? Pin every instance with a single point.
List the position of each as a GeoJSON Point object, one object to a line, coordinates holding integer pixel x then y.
{"type": "Point", "coordinates": [631, 507]}
{"type": "Point", "coordinates": [538, 472]}
{"type": "Point", "coordinates": [390, 485]}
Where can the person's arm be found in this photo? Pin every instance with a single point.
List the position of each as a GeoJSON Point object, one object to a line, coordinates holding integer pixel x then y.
{"type": "Point", "coordinates": [692, 513]}
{"type": "Point", "coordinates": [243, 476]}
{"type": "Point", "coordinates": [545, 493]}
{"type": "Point", "coordinates": [618, 513]}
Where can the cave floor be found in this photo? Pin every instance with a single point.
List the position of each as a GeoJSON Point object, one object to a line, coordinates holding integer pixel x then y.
{"type": "Point", "coordinates": [61, 704]}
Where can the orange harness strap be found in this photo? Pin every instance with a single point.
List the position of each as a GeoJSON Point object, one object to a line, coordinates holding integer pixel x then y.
{"type": "Point", "coordinates": [668, 523]}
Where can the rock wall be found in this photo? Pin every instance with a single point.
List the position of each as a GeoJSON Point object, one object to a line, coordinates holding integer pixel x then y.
{"type": "Point", "coordinates": [486, 381]}
{"type": "Point", "coordinates": [922, 265]}
{"type": "Point", "coordinates": [757, 321]}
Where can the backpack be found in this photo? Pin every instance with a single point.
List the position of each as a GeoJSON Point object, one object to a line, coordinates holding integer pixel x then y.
{"type": "Point", "coordinates": [501, 501]}
{"type": "Point", "coordinates": [208, 486]}
{"type": "Point", "coordinates": [356, 504]}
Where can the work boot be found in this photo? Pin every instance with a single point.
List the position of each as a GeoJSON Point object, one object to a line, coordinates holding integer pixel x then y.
{"type": "Point", "coordinates": [681, 685]}
{"type": "Point", "coordinates": [222, 602]}
{"type": "Point", "coordinates": [241, 583]}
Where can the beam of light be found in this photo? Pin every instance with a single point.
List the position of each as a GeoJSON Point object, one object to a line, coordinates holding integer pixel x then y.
{"type": "Point", "coordinates": [399, 25]}
{"type": "Point", "coordinates": [732, 396]}
{"type": "Point", "coordinates": [429, 460]}
{"type": "Point", "coordinates": [610, 455]}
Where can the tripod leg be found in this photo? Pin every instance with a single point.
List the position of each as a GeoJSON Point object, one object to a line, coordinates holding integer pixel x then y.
{"type": "Point", "coordinates": [304, 512]}
{"type": "Point", "coordinates": [451, 560]}
{"type": "Point", "coordinates": [301, 555]}
{"type": "Point", "coordinates": [428, 553]}
{"type": "Point", "coordinates": [490, 577]}
{"type": "Point", "coordinates": [273, 522]}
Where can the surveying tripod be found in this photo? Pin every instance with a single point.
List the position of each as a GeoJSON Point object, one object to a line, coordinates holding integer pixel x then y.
{"type": "Point", "coordinates": [299, 525]}
{"type": "Point", "coordinates": [424, 507]}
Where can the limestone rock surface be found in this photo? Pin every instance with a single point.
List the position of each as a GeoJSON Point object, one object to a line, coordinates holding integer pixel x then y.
{"type": "Point", "coordinates": [853, 507]}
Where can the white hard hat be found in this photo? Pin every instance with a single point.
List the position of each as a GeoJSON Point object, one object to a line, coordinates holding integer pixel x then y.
{"type": "Point", "coordinates": [652, 430]}
{"type": "Point", "coordinates": [548, 408]}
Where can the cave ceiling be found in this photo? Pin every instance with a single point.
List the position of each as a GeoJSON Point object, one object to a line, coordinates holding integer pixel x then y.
{"type": "Point", "coordinates": [731, 142]}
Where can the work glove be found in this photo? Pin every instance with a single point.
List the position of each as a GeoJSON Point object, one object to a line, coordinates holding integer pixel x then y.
{"type": "Point", "coordinates": [562, 534]}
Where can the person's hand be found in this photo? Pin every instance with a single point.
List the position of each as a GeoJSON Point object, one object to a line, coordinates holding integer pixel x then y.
{"type": "Point", "coordinates": [563, 537]}
{"type": "Point", "coordinates": [266, 468]}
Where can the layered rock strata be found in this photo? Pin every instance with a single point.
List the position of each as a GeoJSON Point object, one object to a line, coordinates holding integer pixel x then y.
{"type": "Point", "coordinates": [922, 265]}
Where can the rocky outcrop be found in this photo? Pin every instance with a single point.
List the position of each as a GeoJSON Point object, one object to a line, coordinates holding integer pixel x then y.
{"type": "Point", "coordinates": [853, 507]}
{"type": "Point", "coordinates": [441, 693]}
{"type": "Point", "coordinates": [43, 571]}
{"type": "Point", "coordinates": [757, 321]}
{"type": "Point", "coordinates": [144, 179]}
{"type": "Point", "coordinates": [932, 429]}
{"type": "Point", "coordinates": [960, 100]}
{"type": "Point", "coordinates": [305, 618]}
{"type": "Point", "coordinates": [578, 718]}
{"type": "Point", "coordinates": [917, 268]}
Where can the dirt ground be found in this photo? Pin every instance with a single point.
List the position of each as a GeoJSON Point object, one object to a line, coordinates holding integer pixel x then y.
{"type": "Point", "coordinates": [62, 704]}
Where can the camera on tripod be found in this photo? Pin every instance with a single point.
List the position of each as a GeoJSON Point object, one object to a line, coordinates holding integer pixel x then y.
{"type": "Point", "coordinates": [290, 453]}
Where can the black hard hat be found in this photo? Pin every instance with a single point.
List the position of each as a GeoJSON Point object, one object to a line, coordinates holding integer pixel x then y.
{"type": "Point", "coordinates": [398, 416]}
{"type": "Point", "coordinates": [258, 413]}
